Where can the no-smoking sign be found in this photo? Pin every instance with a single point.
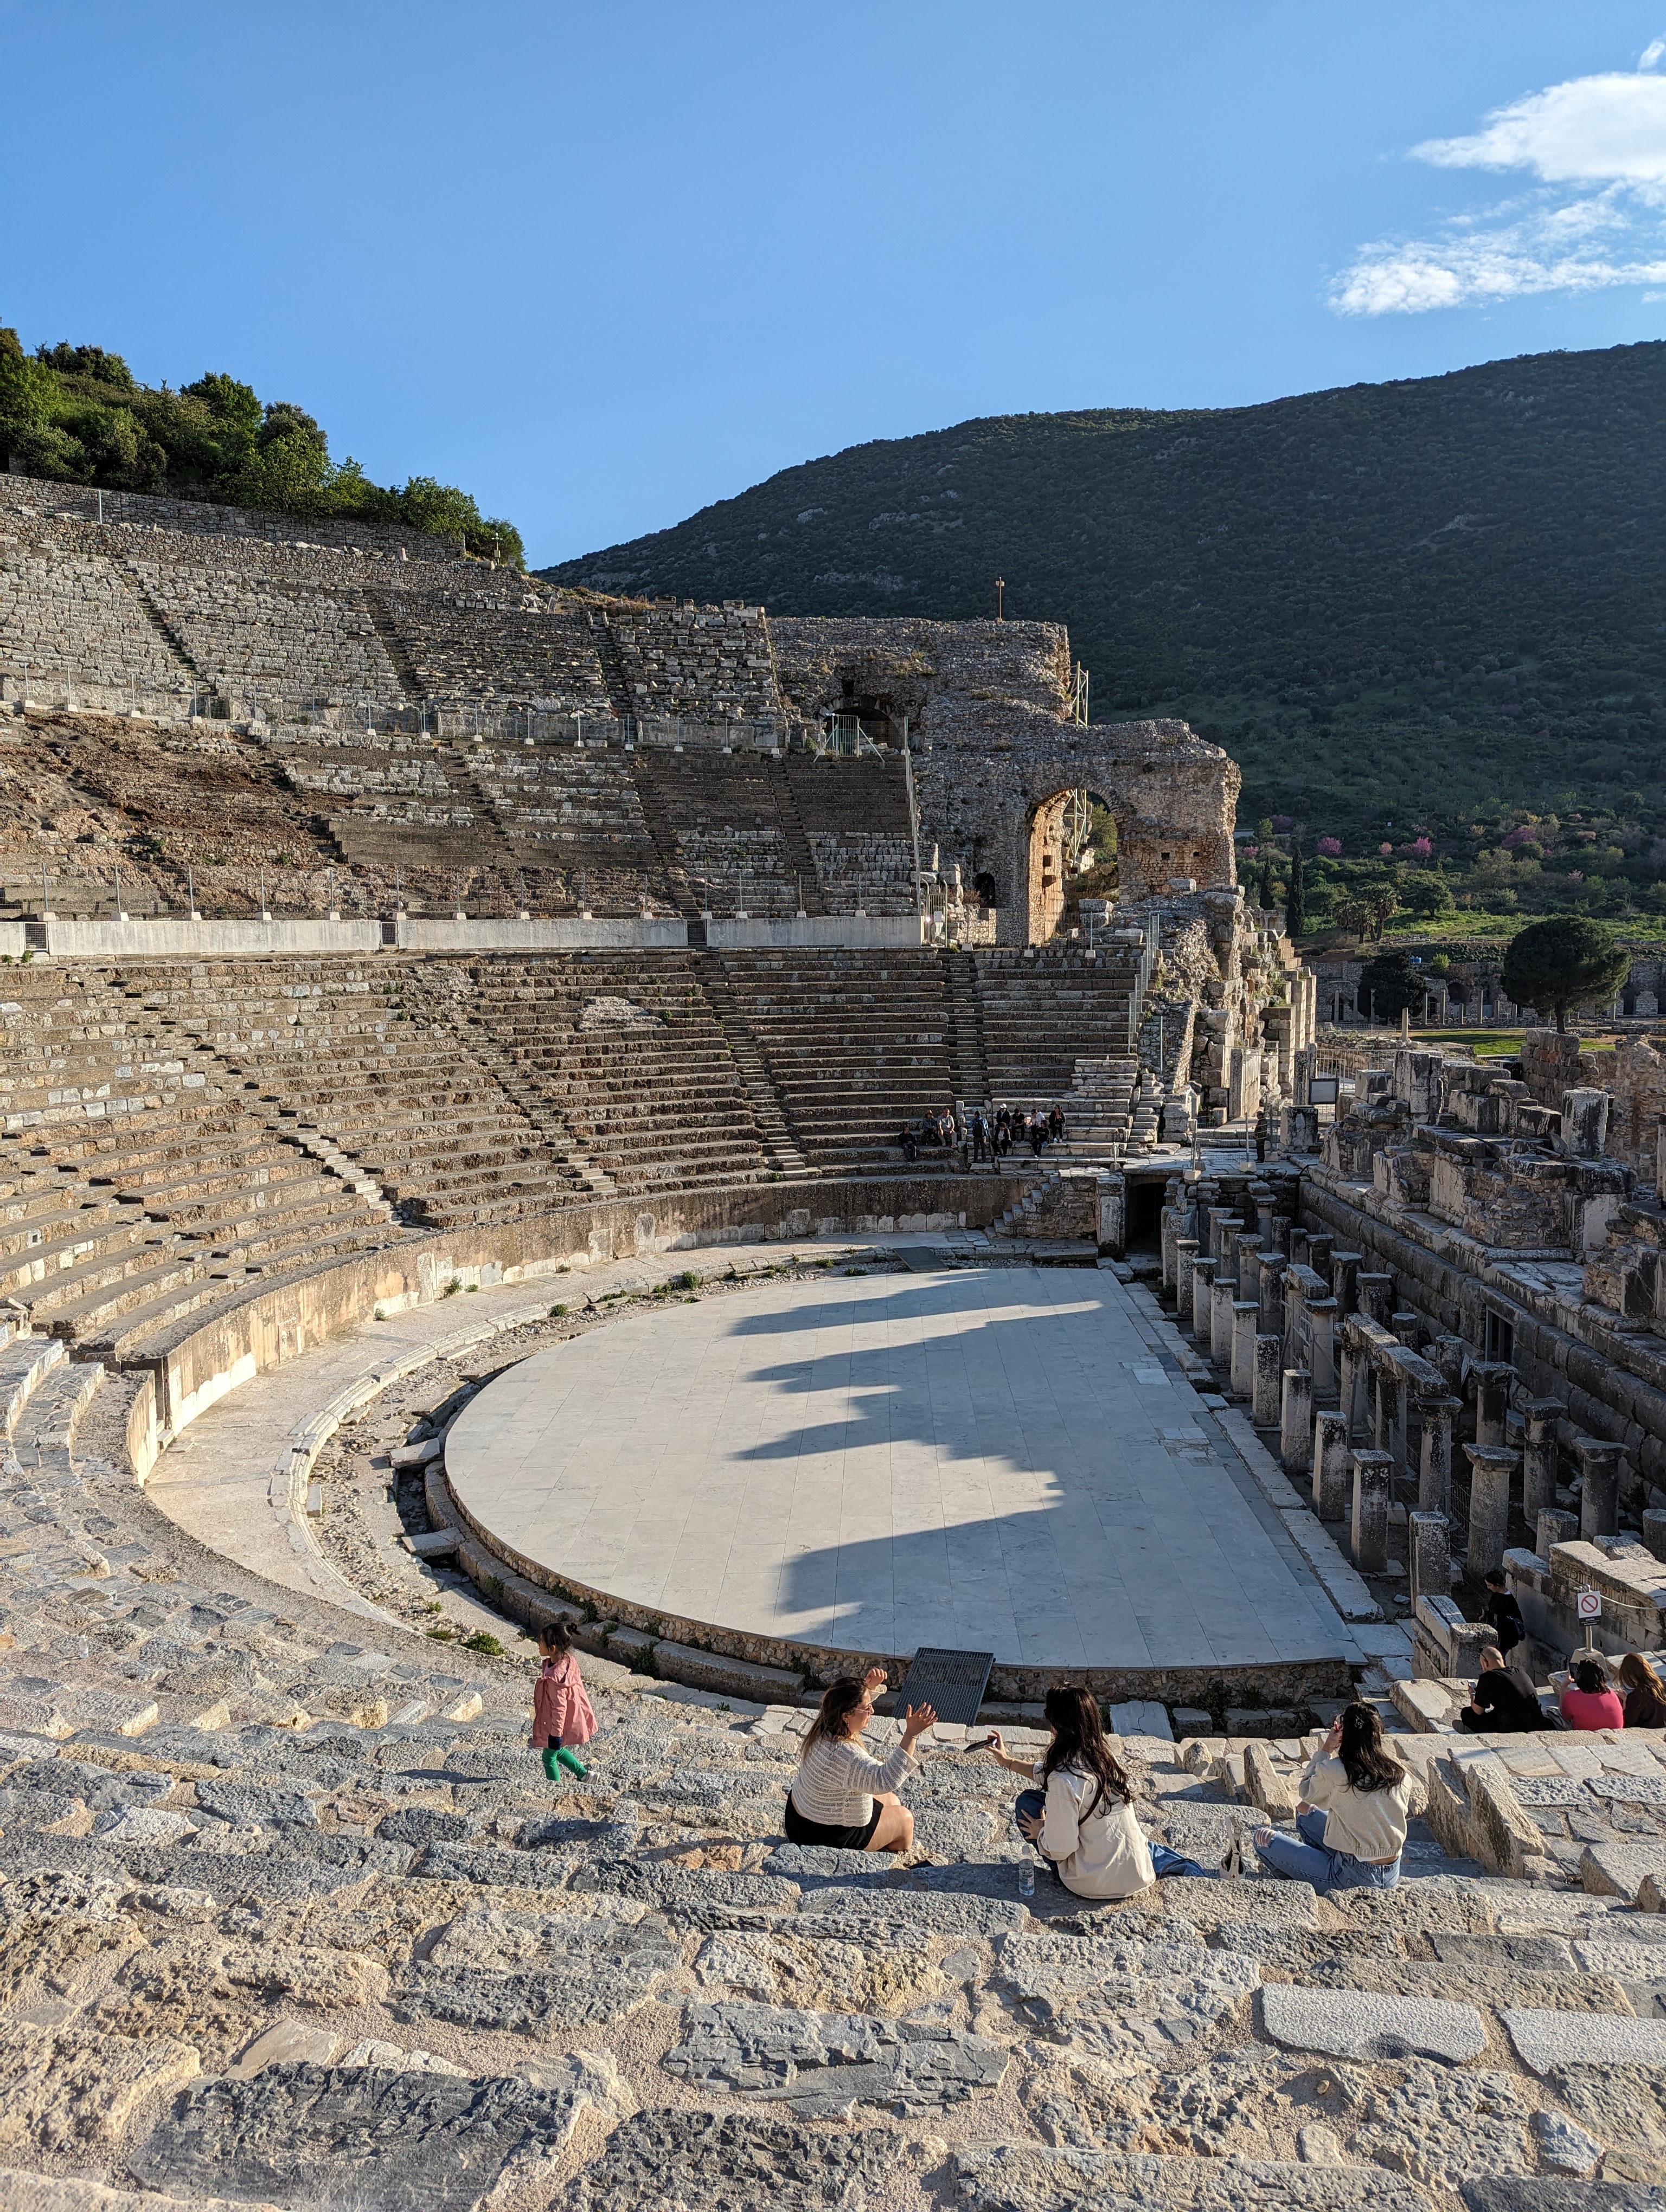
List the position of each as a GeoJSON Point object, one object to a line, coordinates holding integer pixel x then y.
{"type": "Point", "coordinates": [1589, 1604]}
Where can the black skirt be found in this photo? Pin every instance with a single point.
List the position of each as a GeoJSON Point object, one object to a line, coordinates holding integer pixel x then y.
{"type": "Point", "coordinates": [800, 1830]}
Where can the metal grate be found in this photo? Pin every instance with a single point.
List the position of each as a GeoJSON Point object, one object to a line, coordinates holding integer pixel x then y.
{"type": "Point", "coordinates": [953, 1681]}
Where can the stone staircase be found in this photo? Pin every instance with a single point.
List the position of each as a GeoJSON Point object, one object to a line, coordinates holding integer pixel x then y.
{"type": "Point", "coordinates": [1021, 1217]}
{"type": "Point", "coordinates": [971, 1062]}
{"type": "Point", "coordinates": [801, 859]}
{"type": "Point", "coordinates": [782, 1150]}
{"type": "Point", "coordinates": [1100, 1110]}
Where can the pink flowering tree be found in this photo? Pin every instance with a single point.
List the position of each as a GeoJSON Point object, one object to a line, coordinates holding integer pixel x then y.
{"type": "Point", "coordinates": [1331, 848]}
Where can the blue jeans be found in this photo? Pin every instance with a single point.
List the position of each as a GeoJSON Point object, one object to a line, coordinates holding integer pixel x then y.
{"type": "Point", "coordinates": [1303, 1857]}
{"type": "Point", "coordinates": [1162, 1858]}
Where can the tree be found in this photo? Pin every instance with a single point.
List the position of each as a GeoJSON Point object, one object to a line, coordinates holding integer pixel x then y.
{"type": "Point", "coordinates": [1566, 960]}
{"type": "Point", "coordinates": [1268, 886]}
{"type": "Point", "coordinates": [1390, 985]}
{"type": "Point", "coordinates": [1295, 900]}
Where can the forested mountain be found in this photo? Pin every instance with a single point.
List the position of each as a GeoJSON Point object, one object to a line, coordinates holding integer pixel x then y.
{"type": "Point", "coordinates": [1427, 601]}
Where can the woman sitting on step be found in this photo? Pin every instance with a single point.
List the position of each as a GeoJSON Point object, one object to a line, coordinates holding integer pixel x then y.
{"type": "Point", "coordinates": [1350, 1822]}
{"type": "Point", "coordinates": [842, 1797]}
{"type": "Point", "coordinates": [1081, 1819]}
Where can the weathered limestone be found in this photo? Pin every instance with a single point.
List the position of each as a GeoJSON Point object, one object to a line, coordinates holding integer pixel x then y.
{"type": "Point", "coordinates": [1490, 1473]}
{"type": "Point", "coordinates": [1321, 1358]}
{"type": "Point", "coordinates": [1428, 1556]}
{"type": "Point", "coordinates": [1493, 1379]}
{"type": "Point", "coordinates": [1296, 1421]}
{"type": "Point", "coordinates": [1245, 1315]}
{"type": "Point", "coordinates": [1223, 1297]}
{"type": "Point", "coordinates": [1373, 1482]}
{"type": "Point", "coordinates": [1553, 1526]}
{"type": "Point", "coordinates": [1540, 1417]}
{"type": "Point", "coordinates": [1267, 1405]}
{"type": "Point", "coordinates": [1434, 1474]}
{"type": "Point", "coordinates": [1332, 1469]}
{"type": "Point", "coordinates": [1602, 1466]}
{"type": "Point", "coordinates": [1203, 1281]}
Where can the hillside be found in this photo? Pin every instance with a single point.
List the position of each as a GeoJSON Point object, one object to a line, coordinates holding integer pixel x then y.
{"type": "Point", "coordinates": [1426, 601]}
{"type": "Point", "coordinates": [76, 413]}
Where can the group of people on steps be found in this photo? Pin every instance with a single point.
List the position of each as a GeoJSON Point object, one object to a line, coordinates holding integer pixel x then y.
{"type": "Point", "coordinates": [1078, 1809]}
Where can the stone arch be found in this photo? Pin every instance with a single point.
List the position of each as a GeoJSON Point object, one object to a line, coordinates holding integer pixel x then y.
{"type": "Point", "coordinates": [1172, 796]}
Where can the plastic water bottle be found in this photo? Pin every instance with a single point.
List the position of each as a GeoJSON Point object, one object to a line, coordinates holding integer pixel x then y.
{"type": "Point", "coordinates": [1026, 1877]}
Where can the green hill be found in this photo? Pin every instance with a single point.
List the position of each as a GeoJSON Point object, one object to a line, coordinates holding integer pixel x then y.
{"type": "Point", "coordinates": [75, 414]}
{"type": "Point", "coordinates": [1438, 602]}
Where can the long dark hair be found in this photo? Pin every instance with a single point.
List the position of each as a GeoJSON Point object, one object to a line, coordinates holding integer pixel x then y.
{"type": "Point", "coordinates": [839, 1700]}
{"type": "Point", "coordinates": [1364, 1759]}
{"type": "Point", "coordinates": [1079, 1742]}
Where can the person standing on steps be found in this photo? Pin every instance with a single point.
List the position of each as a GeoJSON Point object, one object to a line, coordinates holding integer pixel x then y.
{"type": "Point", "coordinates": [1502, 1614]}
{"type": "Point", "coordinates": [842, 1797]}
{"type": "Point", "coordinates": [561, 1714]}
{"type": "Point", "coordinates": [980, 1137]}
{"type": "Point", "coordinates": [1355, 1805]}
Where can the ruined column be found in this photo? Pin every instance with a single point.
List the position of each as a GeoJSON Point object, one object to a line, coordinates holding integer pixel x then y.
{"type": "Point", "coordinates": [1249, 1256]}
{"type": "Point", "coordinates": [1322, 1346]}
{"type": "Point", "coordinates": [1245, 1313]}
{"type": "Point", "coordinates": [1654, 1531]}
{"type": "Point", "coordinates": [1185, 1259]}
{"type": "Point", "coordinates": [1173, 1215]}
{"type": "Point", "coordinates": [1264, 1201]}
{"type": "Point", "coordinates": [1332, 1473]}
{"type": "Point", "coordinates": [1493, 1380]}
{"type": "Point", "coordinates": [1601, 1464]}
{"type": "Point", "coordinates": [1270, 1372]}
{"type": "Point", "coordinates": [1320, 1246]}
{"type": "Point", "coordinates": [1374, 1477]}
{"type": "Point", "coordinates": [1271, 1295]}
{"type": "Point", "coordinates": [1298, 1243]}
{"type": "Point", "coordinates": [1405, 1327]}
{"type": "Point", "coordinates": [1428, 1556]}
{"type": "Point", "coordinates": [1490, 1470]}
{"type": "Point", "coordinates": [1222, 1297]}
{"type": "Point", "coordinates": [1389, 1388]}
{"type": "Point", "coordinates": [1354, 1381]}
{"type": "Point", "coordinates": [1296, 1421]}
{"type": "Point", "coordinates": [1375, 1294]}
{"type": "Point", "coordinates": [1345, 1281]}
{"type": "Point", "coordinates": [1226, 1246]}
{"type": "Point", "coordinates": [1434, 1470]}
{"type": "Point", "coordinates": [1540, 1417]}
{"type": "Point", "coordinates": [1555, 1525]}
{"type": "Point", "coordinates": [1203, 1277]}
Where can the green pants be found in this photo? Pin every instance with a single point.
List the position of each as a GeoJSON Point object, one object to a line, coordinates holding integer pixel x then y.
{"type": "Point", "coordinates": [557, 1757]}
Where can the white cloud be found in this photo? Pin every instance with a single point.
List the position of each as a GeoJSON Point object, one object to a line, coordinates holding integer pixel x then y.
{"type": "Point", "coordinates": [1591, 129]}
{"type": "Point", "coordinates": [1608, 131]}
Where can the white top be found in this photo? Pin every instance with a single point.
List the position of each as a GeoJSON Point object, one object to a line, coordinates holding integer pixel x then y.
{"type": "Point", "coordinates": [1367, 1823]}
{"type": "Point", "coordinates": [1103, 1855]}
{"type": "Point", "coordinates": [837, 1781]}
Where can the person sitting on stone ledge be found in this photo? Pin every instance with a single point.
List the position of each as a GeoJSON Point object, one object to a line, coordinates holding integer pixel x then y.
{"type": "Point", "coordinates": [1501, 1613]}
{"type": "Point", "coordinates": [907, 1140]}
{"type": "Point", "coordinates": [1081, 1820]}
{"type": "Point", "coordinates": [1504, 1703]}
{"type": "Point", "coordinates": [1590, 1701]}
{"type": "Point", "coordinates": [1645, 1693]}
{"type": "Point", "coordinates": [1351, 1821]}
{"type": "Point", "coordinates": [840, 1797]}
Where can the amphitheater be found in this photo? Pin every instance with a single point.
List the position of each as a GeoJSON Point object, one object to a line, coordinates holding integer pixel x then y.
{"type": "Point", "coordinates": [458, 1042]}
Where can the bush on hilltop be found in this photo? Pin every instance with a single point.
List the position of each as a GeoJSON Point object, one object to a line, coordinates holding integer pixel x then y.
{"type": "Point", "coordinates": [76, 413]}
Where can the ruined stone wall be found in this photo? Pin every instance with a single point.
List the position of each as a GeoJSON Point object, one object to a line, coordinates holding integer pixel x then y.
{"type": "Point", "coordinates": [22, 494]}
{"type": "Point", "coordinates": [699, 661]}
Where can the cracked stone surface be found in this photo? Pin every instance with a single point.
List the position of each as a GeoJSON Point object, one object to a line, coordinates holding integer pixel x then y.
{"type": "Point", "coordinates": [1022, 2178]}
{"type": "Point", "coordinates": [1617, 2104]}
{"type": "Point", "coordinates": [536, 1976]}
{"type": "Point", "coordinates": [1109, 1998]}
{"type": "Point", "coordinates": [1348, 2023]}
{"type": "Point", "coordinates": [700, 2161]}
{"type": "Point", "coordinates": [821, 2063]}
{"type": "Point", "coordinates": [62, 2088]}
{"type": "Point", "coordinates": [341, 2138]}
{"type": "Point", "coordinates": [826, 1975]}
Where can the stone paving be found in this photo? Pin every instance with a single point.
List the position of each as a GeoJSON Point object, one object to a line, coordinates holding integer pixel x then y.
{"type": "Point", "coordinates": [998, 1459]}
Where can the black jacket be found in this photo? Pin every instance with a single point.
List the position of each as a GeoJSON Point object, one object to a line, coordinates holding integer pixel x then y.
{"type": "Point", "coordinates": [1506, 1696]}
{"type": "Point", "coordinates": [1504, 1616]}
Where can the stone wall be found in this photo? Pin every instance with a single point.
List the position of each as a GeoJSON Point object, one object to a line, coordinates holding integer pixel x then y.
{"type": "Point", "coordinates": [23, 494]}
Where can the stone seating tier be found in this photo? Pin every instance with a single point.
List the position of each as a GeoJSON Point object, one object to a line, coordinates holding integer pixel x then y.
{"type": "Point", "coordinates": [293, 1916]}
{"type": "Point", "coordinates": [1043, 1010]}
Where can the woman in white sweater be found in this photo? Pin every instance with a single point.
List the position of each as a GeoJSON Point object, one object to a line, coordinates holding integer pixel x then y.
{"type": "Point", "coordinates": [841, 1797]}
{"type": "Point", "coordinates": [1082, 1818]}
{"type": "Point", "coordinates": [1350, 1822]}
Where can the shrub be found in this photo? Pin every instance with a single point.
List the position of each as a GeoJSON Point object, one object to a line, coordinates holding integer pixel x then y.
{"type": "Point", "coordinates": [485, 1642]}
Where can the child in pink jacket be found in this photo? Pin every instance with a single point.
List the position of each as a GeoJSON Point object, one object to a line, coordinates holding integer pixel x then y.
{"type": "Point", "coordinates": [560, 1711]}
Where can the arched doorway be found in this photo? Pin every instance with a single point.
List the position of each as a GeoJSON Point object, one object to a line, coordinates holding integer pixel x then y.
{"type": "Point", "coordinates": [1074, 843]}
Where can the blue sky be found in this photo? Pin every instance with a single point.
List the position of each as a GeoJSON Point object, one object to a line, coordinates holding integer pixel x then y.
{"type": "Point", "coordinates": [604, 264]}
